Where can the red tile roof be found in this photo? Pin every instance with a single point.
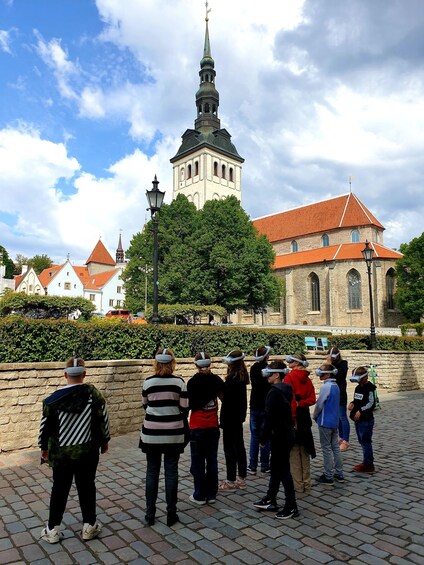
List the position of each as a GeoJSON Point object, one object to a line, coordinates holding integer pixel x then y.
{"type": "Point", "coordinates": [49, 274]}
{"type": "Point", "coordinates": [90, 282]}
{"type": "Point", "coordinates": [342, 252]}
{"type": "Point", "coordinates": [101, 255]}
{"type": "Point", "coordinates": [340, 212]}
{"type": "Point", "coordinates": [96, 282]}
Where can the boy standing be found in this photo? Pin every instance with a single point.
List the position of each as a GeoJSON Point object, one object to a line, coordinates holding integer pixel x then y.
{"type": "Point", "coordinates": [74, 427]}
{"type": "Point", "coordinates": [279, 429]}
{"type": "Point", "coordinates": [361, 412]}
{"type": "Point", "coordinates": [259, 390]}
{"type": "Point", "coordinates": [326, 415]}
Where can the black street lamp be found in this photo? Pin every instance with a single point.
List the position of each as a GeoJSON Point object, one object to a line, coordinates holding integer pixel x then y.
{"type": "Point", "coordinates": [155, 200]}
{"type": "Point", "coordinates": [368, 254]}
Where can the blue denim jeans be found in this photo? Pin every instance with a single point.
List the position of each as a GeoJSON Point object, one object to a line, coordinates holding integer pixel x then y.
{"type": "Point", "coordinates": [257, 419]}
{"type": "Point", "coordinates": [204, 462]}
{"type": "Point", "coordinates": [364, 432]}
{"type": "Point", "coordinates": [330, 452]}
{"type": "Point", "coordinates": [344, 425]}
{"type": "Point", "coordinates": [170, 462]}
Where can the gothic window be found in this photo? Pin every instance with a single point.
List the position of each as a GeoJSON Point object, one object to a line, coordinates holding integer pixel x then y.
{"type": "Point", "coordinates": [215, 168]}
{"type": "Point", "coordinates": [196, 168]}
{"type": "Point", "coordinates": [315, 304]}
{"type": "Point", "coordinates": [390, 289]}
{"type": "Point", "coordinates": [294, 246]}
{"type": "Point", "coordinates": [215, 196]}
{"type": "Point", "coordinates": [377, 236]}
{"type": "Point", "coordinates": [189, 172]}
{"type": "Point", "coordinates": [354, 236]}
{"type": "Point", "coordinates": [231, 174]}
{"type": "Point", "coordinates": [325, 240]}
{"type": "Point", "coordinates": [223, 172]}
{"type": "Point", "coordinates": [354, 290]}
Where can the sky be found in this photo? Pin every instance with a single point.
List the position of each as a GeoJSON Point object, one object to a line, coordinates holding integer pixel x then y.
{"type": "Point", "coordinates": [95, 95]}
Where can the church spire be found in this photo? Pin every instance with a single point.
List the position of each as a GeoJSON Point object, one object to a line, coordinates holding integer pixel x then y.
{"type": "Point", "coordinates": [207, 97]}
{"type": "Point", "coordinates": [120, 255]}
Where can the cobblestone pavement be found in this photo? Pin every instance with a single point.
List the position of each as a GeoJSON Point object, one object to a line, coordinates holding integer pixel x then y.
{"type": "Point", "coordinates": [375, 519]}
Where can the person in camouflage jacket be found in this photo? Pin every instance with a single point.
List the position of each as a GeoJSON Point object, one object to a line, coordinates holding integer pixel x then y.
{"type": "Point", "coordinates": [74, 428]}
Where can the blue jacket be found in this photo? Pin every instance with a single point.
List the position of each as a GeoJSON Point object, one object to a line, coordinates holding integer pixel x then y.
{"type": "Point", "coordinates": [326, 413]}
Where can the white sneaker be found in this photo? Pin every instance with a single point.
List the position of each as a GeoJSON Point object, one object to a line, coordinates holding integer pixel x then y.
{"type": "Point", "coordinates": [195, 501]}
{"type": "Point", "coordinates": [51, 536]}
{"type": "Point", "coordinates": [91, 532]}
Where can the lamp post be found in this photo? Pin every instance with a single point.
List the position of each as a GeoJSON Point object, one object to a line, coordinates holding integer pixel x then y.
{"type": "Point", "coordinates": [368, 254]}
{"type": "Point", "coordinates": [155, 200]}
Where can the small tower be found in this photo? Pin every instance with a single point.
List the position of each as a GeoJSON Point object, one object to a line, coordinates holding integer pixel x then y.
{"type": "Point", "coordinates": [120, 255]}
{"type": "Point", "coordinates": [207, 165]}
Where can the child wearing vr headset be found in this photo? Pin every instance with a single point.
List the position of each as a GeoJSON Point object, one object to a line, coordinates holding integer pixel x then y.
{"type": "Point", "coordinates": [326, 415]}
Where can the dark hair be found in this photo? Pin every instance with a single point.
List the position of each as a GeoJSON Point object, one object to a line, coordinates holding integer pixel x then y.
{"type": "Point", "coordinates": [278, 365]}
{"type": "Point", "coordinates": [261, 351]}
{"type": "Point", "coordinates": [238, 367]}
{"type": "Point", "coordinates": [199, 356]}
{"type": "Point", "coordinates": [335, 351]}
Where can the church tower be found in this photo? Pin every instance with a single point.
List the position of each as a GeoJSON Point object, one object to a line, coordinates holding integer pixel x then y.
{"type": "Point", "coordinates": [207, 165]}
{"type": "Point", "coordinates": [120, 254]}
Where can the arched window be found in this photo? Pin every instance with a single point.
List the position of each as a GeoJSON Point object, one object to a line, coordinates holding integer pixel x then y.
{"type": "Point", "coordinates": [207, 108]}
{"type": "Point", "coordinates": [354, 290]}
{"type": "Point", "coordinates": [215, 196]}
{"type": "Point", "coordinates": [214, 109]}
{"type": "Point", "coordinates": [231, 175]}
{"type": "Point", "coordinates": [325, 240]}
{"type": "Point", "coordinates": [354, 236]}
{"type": "Point", "coordinates": [315, 304]}
{"type": "Point", "coordinates": [294, 246]}
{"type": "Point", "coordinates": [377, 236]}
{"type": "Point", "coordinates": [189, 172]}
{"type": "Point", "coordinates": [390, 289]}
{"type": "Point", "coordinates": [182, 173]}
{"type": "Point", "coordinates": [223, 172]}
{"type": "Point", "coordinates": [200, 109]}
{"type": "Point", "coordinates": [215, 168]}
{"type": "Point", "coordinates": [196, 168]}
{"type": "Point", "coordinates": [196, 200]}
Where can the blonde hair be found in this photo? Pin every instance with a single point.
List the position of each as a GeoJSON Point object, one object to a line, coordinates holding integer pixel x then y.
{"type": "Point", "coordinates": [164, 369]}
{"type": "Point", "coordinates": [71, 362]}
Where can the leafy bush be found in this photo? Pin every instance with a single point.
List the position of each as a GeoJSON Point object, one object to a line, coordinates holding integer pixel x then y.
{"type": "Point", "coordinates": [184, 313]}
{"type": "Point", "coordinates": [24, 340]}
{"type": "Point", "coordinates": [419, 328]}
{"type": "Point", "coordinates": [42, 306]}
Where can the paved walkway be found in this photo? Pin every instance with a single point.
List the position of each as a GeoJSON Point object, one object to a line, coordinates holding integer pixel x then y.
{"type": "Point", "coordinates": [375, 519]}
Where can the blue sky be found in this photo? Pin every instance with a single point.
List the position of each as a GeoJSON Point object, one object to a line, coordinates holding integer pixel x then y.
{"type": "Point", "coordinates": [96, 96]}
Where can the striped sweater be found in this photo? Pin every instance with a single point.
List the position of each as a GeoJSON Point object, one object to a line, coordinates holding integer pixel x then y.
{"type": "Point", "coordinates": [166, 403]}
{"type": "Point", "coordinates": [74, 422]}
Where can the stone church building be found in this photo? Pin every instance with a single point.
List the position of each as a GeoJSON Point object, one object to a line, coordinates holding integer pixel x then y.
{"type": "Point", "coordinates": [318, 246]}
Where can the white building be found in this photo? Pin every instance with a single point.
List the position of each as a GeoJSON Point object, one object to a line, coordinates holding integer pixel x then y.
{"type": "Point", "coordinates": [5, 283]}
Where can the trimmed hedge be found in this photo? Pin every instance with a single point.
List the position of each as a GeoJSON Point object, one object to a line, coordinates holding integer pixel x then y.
{"type": "Point", "coordinates": [419, 328]}
{"type": "Point", "coordinates": [24, 341]}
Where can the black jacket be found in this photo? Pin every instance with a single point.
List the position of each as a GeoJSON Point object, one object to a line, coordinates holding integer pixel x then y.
{"type": "Point", "coordinates": [234, 401]}
{"type": "Point", "coordinates": [202, 388]}
{"type": "Point", "coordinates": [279, 425]}
{"type": "Point", "coordinates": [341, 376]}
{"type": "Point", "coordinates": [260, 387]}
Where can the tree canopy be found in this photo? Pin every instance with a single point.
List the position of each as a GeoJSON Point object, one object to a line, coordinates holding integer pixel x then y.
{"type": "Point", "coordinates": [208, 256]}
{"type": "Point", "coordinates": [38, 262]}
{"type": "Point", "coordinates": [410, 279]}
{"type": "Point", "coordinates": [40, 306]}
{"type": "Point", "coordinates": [7, 262]}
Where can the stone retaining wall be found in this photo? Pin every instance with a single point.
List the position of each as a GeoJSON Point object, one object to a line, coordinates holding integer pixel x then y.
{"type": "Point", "coordinates": [23, 387]}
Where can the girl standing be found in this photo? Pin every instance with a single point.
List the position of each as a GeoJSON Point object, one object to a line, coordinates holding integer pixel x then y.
{"type": "Point", "coordinates": [233, 414]}
{"type": "Point", "coordinates": [204, 389]}
{"type": "Point", "coordinates": [164, 398]}
{"type": "Point", "coordinates": [303, 398]}
{"type": "Point", "coordinates": [334, 357]}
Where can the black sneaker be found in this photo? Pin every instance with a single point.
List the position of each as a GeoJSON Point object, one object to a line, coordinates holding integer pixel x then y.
{"type": "Point", "coordinates": [339, 478]}
{"type": "Point", "coordinates": [286, 513]}
{"type": "Point", "coordinates": [251, 471]}
{"type": "Point", "coordinates": [265, 470]}
{"type": "Point", "coordinates": [324, 481]}
{"type": "Point", "coordinates": [266, 504]}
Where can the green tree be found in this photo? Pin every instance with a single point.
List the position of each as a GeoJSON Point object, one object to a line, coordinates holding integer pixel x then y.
{"type": "Point", "coordinates": [7, 262]}
{"type": "Point", "coordinates": [176, 226]}
{"type": "Point", "coordinates": [410, 279]}
{"type": "Point", "coordinates": [39, 263]}
{"type": "Point", "coordinates": [40, 306]}
{"type": "Point", "coordinates": [20, 261]}
{"type": "Point", "coordinates": [210, 256]}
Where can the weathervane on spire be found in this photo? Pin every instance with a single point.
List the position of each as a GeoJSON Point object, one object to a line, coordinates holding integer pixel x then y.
{"type": "Point", "coordinates": [207, 10]}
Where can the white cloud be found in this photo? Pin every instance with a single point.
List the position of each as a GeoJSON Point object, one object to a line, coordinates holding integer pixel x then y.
{"type": "Point", "coordinates": [57, 59]}
{"type": "Point", "coordinates": [5, 41]}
